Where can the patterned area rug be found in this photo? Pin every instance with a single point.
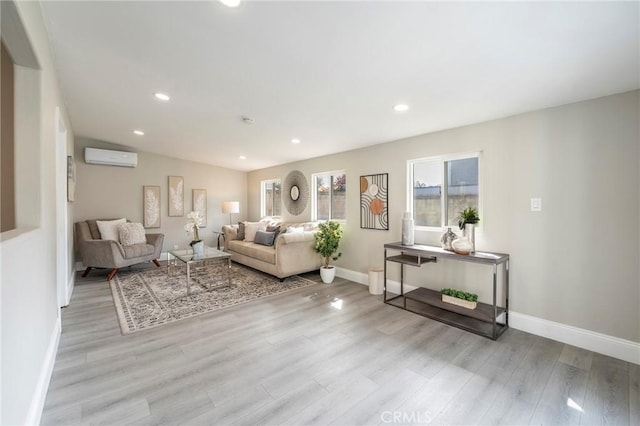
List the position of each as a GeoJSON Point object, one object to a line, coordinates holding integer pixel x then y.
{"type": "Point", "coordinates": [150, 297]}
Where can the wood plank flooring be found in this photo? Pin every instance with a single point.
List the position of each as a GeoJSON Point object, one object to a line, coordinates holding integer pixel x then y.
{"type": "Point", "coordinates": [325, 354]}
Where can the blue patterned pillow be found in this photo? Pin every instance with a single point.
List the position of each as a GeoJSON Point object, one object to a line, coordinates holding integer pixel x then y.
{"type": "Point", "coordinates": [264, 238]}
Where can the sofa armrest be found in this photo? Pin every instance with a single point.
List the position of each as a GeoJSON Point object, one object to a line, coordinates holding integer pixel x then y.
{"type": "Point", "coordinates": [156, 241]}
{"type": "Point", "coordinates": [101, 253]}
{"type": "Point", "coordinates": [230, 232]}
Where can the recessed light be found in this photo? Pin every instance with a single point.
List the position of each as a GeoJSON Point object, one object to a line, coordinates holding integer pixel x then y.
{"type": "Point", "coordinates": [401, 107]}
{"type": "Point", "coordinates": [295, 140]}
{"type": "Point", "coordinates": [162, 96]}
{"type": "Point", "coordinates": [139, 132]}
{"type": "Point", "coordinates": [242, 157]}
{"type": "Point", "coordinates": [230, 3]}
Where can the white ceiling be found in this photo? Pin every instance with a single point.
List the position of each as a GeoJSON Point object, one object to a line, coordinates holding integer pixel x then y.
{"type": "Point", "coordinates": [327, 73]}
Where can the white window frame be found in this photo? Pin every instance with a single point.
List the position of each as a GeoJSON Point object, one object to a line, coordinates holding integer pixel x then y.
{"type": "Point", "coordinates": [314, 195]}
{"type": "Point", "coordinates": [263, 200]}
{"type": "Point", "coordinates": [441, 159]}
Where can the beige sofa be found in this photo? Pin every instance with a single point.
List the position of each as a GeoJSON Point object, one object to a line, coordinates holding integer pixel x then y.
{"type": "Point", "coordinates": [291, 253]}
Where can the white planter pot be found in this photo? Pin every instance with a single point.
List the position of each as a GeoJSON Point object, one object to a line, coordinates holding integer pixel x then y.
{"type": "Point", "coordinates": [327, 274]}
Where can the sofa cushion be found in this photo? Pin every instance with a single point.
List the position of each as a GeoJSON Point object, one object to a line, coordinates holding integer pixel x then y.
{"type": "Point", "coordinates": [250, 229]}
{"type": "Point", "coordinates": [137, 250]}
{"type": "Point", "coordinates": [132, 233]}
{"type": "Point", "coordinates": [264, 253]}
{"type": "Point", "coordinates": [109, 228]}
{"type": "Point", "coordinates": [264, 238]}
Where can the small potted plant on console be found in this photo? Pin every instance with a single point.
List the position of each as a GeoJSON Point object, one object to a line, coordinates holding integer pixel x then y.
{"type": "Point", "coordinates": [459, 298]}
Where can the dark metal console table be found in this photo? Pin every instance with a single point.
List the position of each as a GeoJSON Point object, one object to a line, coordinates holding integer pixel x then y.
{"type": "Point", "coordinates": [483, 320]}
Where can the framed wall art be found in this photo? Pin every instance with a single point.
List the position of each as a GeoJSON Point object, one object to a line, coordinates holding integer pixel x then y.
{"type": "Point", "coordinates": [199, 204]}
{"type": "Point", "coordinates": [71, 179]}
{"type": "Point", "coordinates": [176, 196]}
{"type": "Point", "coordinates": [374, 208]}
{"type": "Point", "coordinates": [151, 206]}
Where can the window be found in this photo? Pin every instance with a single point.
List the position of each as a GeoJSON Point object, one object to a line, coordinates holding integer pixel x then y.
{"type": "Point", "coordinates": [271, 198]}
{"type": "Point", "coordinates": [441, 187]}
{"type": "Point", "coordinates": [329, 196]}
{"type": "Point", "coordinates": [7, 166]}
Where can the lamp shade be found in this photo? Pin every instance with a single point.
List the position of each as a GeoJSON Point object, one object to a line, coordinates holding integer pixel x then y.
{"type": "Point", "coordinates": [231, 207]}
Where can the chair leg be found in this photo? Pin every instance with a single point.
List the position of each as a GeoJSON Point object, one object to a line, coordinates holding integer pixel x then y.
{"type": "Point", "coordinates": [112, 274]}
{"type": "Point", "coordinates": [156, 262]}
{"type": "Point", "coordinates": [86, 271]}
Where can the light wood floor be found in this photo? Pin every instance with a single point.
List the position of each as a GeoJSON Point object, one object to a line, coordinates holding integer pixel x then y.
{"type": "Point", "coordinates": [325, 354]}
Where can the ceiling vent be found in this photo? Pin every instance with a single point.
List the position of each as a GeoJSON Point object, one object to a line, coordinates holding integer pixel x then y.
{"type": "Point", "coordinates": [108, 157]}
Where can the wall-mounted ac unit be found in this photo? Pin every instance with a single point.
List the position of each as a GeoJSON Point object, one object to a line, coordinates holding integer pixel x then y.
{"type": "Point", "coordinates": [110, 158]}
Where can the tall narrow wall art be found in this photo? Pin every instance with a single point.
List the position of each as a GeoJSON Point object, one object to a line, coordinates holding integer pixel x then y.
{"type": "Point", "coordinates": [374, 208]}
{"type": "Point", "coordinates": [151, 206]}
{"type": "Point", "coordinates": [176, 196]}
{"type": "Point", "coordinates": [199, 204]}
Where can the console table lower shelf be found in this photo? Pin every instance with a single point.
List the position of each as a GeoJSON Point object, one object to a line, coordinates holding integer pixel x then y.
{"type": "Point", "coordinates": [428, 303]}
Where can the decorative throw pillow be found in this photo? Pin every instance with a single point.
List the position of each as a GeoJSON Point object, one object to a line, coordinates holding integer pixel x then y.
{"type": "Point", "coordinates": [132, 233]}
{"type": "Point", "coordinates": [295, 229]}
{"type": "Point", "coordinates": [250, 229]}
{"type": "Point", "coordinates": [240, 234]}
{"type": "Point", "coordinates": [264, 238]}
{"type": "Point", "coordinates": [109, 228]}
{"type": "Point", "coordinates": [274, 228]}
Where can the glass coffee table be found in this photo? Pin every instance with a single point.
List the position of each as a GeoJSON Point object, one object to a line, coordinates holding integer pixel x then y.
{"type": "Point", "coordinates": [194, 263]}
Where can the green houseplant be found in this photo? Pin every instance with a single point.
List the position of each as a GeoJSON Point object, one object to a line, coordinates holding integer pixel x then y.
{"type": "Point", "coordinates": [468, 216]}
{"type": "Point", "coordinates": [327, 240]}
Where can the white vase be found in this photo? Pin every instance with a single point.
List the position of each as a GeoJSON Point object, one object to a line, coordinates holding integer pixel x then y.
{"type": "Point", "coordinates": [469, 231]}
{"type": "Point", "coordinates": [407, 229]}
{"type": "Point", "coordinates": [461, 245]}
{"type": "Point", "coordinates": [327, 274]}
{"type": "Point", "coordinates": [198, 249]}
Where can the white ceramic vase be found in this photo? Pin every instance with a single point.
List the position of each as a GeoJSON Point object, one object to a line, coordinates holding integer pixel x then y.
{"type": "Point", "coordinates": [407, 229]}
{"type": "Point", "coordinates": [327, 274]}
{"type": "Point", "coordinates": [469, 231]}
{"type": "Point", "coordinates": [198, 249]}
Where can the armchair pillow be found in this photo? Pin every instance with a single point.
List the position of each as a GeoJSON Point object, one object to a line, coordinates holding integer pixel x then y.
{"type": "Point", "coordinates": [109, 228]}
{"type": "Point", "coordinates": [132, 233]}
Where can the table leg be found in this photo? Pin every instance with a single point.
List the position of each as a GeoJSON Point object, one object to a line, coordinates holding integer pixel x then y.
{"type": "Point", "coordinates": [229, 270]}
{"type": "Point", "coordinates": [188, 278]}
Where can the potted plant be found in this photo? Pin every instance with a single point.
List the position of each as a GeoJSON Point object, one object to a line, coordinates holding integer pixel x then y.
{"type": "Point", "coordinates": [327, 240]}
{"type": "Point", "coordinates": [467, 220]}
{"type": "Point", "coordinates": [195, 222]}
{"type": "Point", "coordinates": [459, 298]}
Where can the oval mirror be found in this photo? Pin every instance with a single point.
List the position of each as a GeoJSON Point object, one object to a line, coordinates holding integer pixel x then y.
{"type": "Point", "coordinates": [295, 193]}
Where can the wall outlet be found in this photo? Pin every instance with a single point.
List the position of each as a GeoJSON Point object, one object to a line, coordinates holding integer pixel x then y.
{"type": "Point", "coordinates": [536, 204]}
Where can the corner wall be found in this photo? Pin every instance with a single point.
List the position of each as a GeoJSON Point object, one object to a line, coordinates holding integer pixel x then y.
{"type": "Point", "coordinates": [30, 319]}
{"type": "Point", "coordinates": [104, 192]}
{"type": "Point", "coordinates": [574, 263]}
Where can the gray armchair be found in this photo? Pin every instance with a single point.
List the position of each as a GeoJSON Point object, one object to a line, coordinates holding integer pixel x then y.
{"type": "Point", "coordinates": [97, 253]}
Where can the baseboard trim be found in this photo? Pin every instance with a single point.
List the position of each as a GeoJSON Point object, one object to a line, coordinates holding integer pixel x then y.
{"type": "Point", "coordinates": [40, 392]}
{"type": "Point", "coordinates": [71, 285]}
{"type": "Point", "coordinates": [625, 350]}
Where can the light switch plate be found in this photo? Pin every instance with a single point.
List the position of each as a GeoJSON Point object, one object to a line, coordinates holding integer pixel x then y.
{"type": "Point", "coordinates": [536, 204]}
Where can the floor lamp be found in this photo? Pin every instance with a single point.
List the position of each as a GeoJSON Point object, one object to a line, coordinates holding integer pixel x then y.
{"type": "Point", "coordinates": [230, 207]}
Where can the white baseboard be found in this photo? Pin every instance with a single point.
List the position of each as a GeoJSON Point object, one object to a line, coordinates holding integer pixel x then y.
{"type": "Point", "coordinates": [40, 392]}
{"type": "Point", "coordinates": [71, 285]}
{"type": "Point", "coordinates": [625, 350]}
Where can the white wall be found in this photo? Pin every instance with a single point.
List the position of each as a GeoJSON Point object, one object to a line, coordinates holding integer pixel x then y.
{"type": "Point", "coordinates": [574, 263]}
{"type": "Point", "coordinates": [29, 309]}
{"type": "Point", "coordinates": [114, 192]}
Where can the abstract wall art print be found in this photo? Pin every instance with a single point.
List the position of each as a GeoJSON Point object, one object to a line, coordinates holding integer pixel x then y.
{"type": "Point", "coordinates": [374, 208]}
